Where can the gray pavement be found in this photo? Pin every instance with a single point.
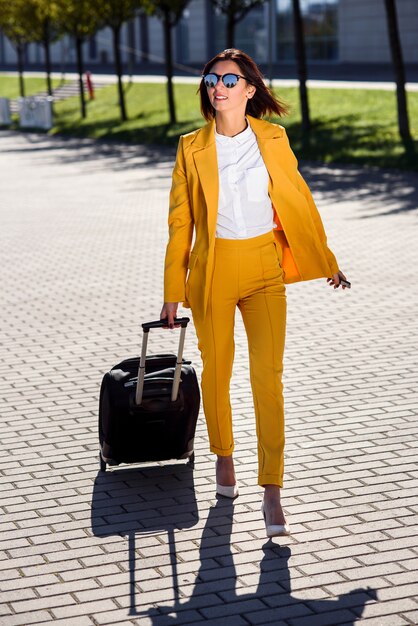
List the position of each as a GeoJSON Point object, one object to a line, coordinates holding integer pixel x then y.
{"type": "Point", "coordinates": [83, 230]}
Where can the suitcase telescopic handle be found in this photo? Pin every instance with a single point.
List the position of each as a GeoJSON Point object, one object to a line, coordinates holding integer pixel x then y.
{"type": "Point", "coordinates": [180, 321]}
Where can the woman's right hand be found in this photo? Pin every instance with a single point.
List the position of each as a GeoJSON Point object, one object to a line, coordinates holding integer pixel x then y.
{"type": "Point", "coordinates": [169, 311]}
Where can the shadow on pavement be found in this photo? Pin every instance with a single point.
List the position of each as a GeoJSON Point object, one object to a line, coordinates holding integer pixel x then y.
{"type": "Point", "coordinates": [138, 501]}
{"type": "Point", "coordinates": [144, 500]}
{"type": "Point", "coordinates": [381, 192]}
{"type": "Point", "coordinates": [274, 586]}
{"type": "Point", "coordinates": [87, 152]}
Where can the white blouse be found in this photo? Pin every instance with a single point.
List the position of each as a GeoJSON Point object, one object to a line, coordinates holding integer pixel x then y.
{"type": "Point", "coordinates": [244, 207]}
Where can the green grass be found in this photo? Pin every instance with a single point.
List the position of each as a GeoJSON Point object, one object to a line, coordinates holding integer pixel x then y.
{"type": "Point", "coordinates": [147, 111]}
{"type": "Point", "coordinates": [9, 86]}
{"type": "Point", "coordinates": [348, 126]}
{"type": "Point", "coordinates": [355, 126]}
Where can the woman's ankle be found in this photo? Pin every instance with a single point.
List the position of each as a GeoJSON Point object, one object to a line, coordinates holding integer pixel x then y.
{"type": "Point", "coordinates": [226, 461]}
{"type": "Point", "coordinates": [225, 473]}
{"type": "Point", "coordinates": [271, 492]}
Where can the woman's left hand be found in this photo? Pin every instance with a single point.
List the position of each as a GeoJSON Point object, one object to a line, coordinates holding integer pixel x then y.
{"type": "Point", "coordinates": [335, 280]}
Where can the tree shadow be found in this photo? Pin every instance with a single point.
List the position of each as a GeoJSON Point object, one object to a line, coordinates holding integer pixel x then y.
{"type": "Point", "coordinates": [140, 500]}
{"type": "Point", "coordinates": [109, 130]}
{"type": "Point", "coordinates": [373, 192]}
{"type": "Point", "coordinates": [274, 587]}
{"type": "Point", "coordinates": [381, 191]}
{"type": "Point", "coordinates": [96, 153]}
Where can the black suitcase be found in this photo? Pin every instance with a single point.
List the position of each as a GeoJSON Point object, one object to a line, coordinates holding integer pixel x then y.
{"type": "Point", "coordinates": [148, 406]}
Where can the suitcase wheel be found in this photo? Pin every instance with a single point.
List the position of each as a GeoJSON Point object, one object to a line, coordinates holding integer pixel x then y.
{"type": "Point", "coordinates": [102, 463]}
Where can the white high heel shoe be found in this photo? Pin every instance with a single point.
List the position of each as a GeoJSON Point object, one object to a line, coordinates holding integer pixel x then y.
{"type": "Point", "coordinates": [228, 491]}
{"type": "Point", "coordinates": [275, 530]}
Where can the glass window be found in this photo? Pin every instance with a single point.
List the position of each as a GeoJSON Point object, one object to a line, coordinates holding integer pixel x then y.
{"type": "Point", "coordinates": [182, 38]}
{"type": "Point", "coordinates": [250, 33]}
{"type": "Point", "coordinates": [320, 19]}
{"type": "Point", "coordinates": [284, 31]}
{"type": "Point", "coordinates": [93, 47]}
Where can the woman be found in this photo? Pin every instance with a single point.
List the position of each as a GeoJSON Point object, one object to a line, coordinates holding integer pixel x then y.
{"type": "Point", "coordinates": [237, 189]}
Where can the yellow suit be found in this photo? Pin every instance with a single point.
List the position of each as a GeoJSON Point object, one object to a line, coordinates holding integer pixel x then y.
{"type": "Point", "coordinates": [249, 274]}
{"type": "Point", "coordinates": [194, 204]}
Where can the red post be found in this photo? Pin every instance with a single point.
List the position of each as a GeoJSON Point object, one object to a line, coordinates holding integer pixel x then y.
{"type": "Point", "coordinates": [89, 84]}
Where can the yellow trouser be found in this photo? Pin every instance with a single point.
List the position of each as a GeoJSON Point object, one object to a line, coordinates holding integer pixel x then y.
{"type": "Point", "coordinates": [247, 274]}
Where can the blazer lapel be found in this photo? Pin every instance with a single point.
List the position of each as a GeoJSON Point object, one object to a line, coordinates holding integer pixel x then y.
{"type": "Point", "coordinates": [288, 201]}
{"type": "Point", "coordinates": [206, 163]}
{"type": "Point", "coordinates": [278, 159]}
{"type": "Point", "coordinates": [269, 138]}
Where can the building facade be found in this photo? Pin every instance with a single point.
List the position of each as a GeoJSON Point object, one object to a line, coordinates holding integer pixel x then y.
{"type": "Point", "coordinates": [336, 31]}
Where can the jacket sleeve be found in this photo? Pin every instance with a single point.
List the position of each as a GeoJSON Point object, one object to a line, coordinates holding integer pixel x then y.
{"type": "Point", "coordinates": [304, 189]}
{"type": "Point", "coordinates": [180, 226]}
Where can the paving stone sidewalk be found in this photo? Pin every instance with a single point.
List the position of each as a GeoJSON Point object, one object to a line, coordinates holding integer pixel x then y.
{"type": "Point", "coordinates": [83, 231]}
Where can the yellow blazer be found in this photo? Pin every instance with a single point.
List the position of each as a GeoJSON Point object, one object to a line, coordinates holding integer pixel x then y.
{"type": "Point", "coordinates": [194, 206]}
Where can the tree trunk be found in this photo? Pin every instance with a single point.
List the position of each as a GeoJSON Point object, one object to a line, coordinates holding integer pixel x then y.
{"type": "Point", "coordinates": [80, 70]}
{"type": "Point", "coordinates": [47, 57]}
{"type": "Point", "coordinates": [169, 66]}
{"type": "Point", "coordinates": [118, 68]}
{"type": "Point", "coordinates": [132, 47]}
{"type": "Point", "coordinates": [270, 31]}
{"type": "Point", "coordinates": [300, 54]}
{"type": "Point", "coordinates": [230, 30]}
{"type": "Point", "coordinates": [398, 66]}
{"type": "Point", "coordinates": [20, 49]}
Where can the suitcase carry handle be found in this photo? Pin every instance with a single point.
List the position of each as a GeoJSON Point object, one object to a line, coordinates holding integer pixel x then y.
{"type": "Point", "coordinates": [182, 321]}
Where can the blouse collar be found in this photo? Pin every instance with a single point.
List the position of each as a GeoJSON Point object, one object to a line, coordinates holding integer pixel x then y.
{"type": "Point", "coordinates": [240, 138]}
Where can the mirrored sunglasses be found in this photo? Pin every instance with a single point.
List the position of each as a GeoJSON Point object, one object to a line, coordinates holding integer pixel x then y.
{"type": "Point", "coordinates": [229, 80]}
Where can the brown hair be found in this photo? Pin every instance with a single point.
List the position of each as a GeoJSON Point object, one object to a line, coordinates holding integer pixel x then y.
{"type": "Point", "coordinates": [264, 101]}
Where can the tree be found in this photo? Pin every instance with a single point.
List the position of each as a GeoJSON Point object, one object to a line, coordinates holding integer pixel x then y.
{"type": "Point", "coordinates": [113, 13]}
{"type": "Point", "coordinates": [169, 12]}
{"type": "Point", "coordinates": [77, 19]}
{"type": "Point", "coordinates": [300, 54]}
{"type": "Point", "coordinates": [27, 21]}
{"type": "Point", "coordinates": [15, 21]}
{"type": "Point", "coordinates": [398, 65]}
{"type": "Point", "coordinates": [42, 30]}
{"type": "Point", "coordinates": [235, 11]}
